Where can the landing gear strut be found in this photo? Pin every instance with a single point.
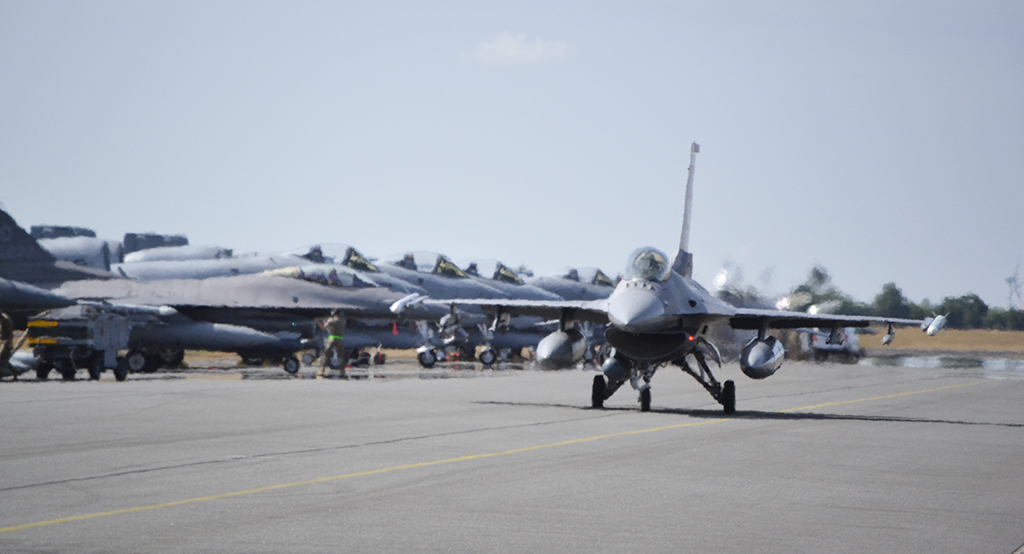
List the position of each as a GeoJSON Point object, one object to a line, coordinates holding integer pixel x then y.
{"type": "Point", "coordinates": [724, 393]}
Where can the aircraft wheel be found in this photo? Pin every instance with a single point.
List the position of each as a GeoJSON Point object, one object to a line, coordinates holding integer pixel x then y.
{"type": "Point", "coordinates": [645, 400]}
{"type": "Point", "coordinates": [291, 365]}
{"type": "Point", "coordinates": [252, 361]}
{"type": "Point", "coordinates": [488, 357]}
{"type": "Point", "coordinates": [729, 397]}
{"type": "Point", "coordinates": [427, 358]}
{"type": "Point", "coordinates": [121, 371]}
{"type": "Point", "coordinates": [379, 358]}
{"type": "Point", "coordinates": [597, 392]}
{"type": "Point", "coordinates": [138, 362]}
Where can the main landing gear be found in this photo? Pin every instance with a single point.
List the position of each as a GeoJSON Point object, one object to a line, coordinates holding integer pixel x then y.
{"type": "Point", "coordinates": [724, 393]}
{"type": "Point", "coordinates": [618, 369]}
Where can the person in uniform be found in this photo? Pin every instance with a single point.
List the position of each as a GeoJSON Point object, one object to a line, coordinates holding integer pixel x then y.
{"type": "Point", "coordinates": [6, 347]}
{"type": "Point", "coordinates": [335, 328]}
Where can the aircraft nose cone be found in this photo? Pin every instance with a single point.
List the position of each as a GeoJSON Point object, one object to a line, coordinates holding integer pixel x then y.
{"type": "Point", "coordinates": [635, 309]}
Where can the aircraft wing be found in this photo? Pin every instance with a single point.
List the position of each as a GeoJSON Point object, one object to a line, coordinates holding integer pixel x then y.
{"type": "Point", "coordinates": [752, 318]}
{"type": "Point", "coordinates": [595, 311]}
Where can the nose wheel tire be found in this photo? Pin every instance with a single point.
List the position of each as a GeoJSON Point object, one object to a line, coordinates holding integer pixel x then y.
{"type": "Point", "coordinates": [597, 393]}
{"type": "Point", "coordinates": [488, 357]}
{"type": "Point", "coordinates": [427, 358]}
{"type": "Point", "coordinates": [645, 400]}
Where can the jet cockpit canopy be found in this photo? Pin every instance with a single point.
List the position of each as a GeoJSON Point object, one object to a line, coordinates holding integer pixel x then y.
{"type": "Point", "coordinates": [338, 253]}
{"type": "Point", "coordinates": [648, 263]}
{"type": "Point", "coordinates": [429, 262]}
{"type": "Point", "coordinates": [492, 269]}
{"type": "Point", "coordinates": [595, 276]}
{"type": "Point", "coordinates": [325, 274]}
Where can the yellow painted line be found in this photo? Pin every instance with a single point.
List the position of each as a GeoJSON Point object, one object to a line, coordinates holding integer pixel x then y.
{"type": "Point", "coordinates": [897, 395]}
{"type": "Point", "coordinates": [436, 462]}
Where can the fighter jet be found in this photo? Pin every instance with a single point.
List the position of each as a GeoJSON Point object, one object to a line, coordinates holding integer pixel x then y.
{"type": "Point", "coordinates": [256, 315]}
{"type": "Point", "coordinates": [659, 316]}
{"type": "Point", "coordinates": [281, 305]}
{"type": "Point", "coordinates": [20, 298]}
{"type": "Point", "coordinates": [23, 259]}
{"type": "Point", "coordinates": [576, 284]}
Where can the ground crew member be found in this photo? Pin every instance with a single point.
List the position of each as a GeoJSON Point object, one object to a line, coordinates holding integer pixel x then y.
{"type": "Point", "coordinates": [335, 327]}
{"type": "Point", "coordinates": [6, 346]}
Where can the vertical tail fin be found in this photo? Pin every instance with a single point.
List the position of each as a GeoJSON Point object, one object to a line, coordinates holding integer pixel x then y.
{"type": "Point", "coordinates": [683, 263]}
{"type": "Point", "coordinates": [18, 247]}
{"type": "Point", "coordinates": [23, 259]}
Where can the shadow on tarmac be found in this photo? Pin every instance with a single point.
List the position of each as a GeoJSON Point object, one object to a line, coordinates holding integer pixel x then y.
{"type": "Point", "coordinates": [760, 415]}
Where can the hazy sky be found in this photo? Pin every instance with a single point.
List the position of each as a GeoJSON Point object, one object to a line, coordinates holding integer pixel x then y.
{"type": "Point", "coordinates": [882, 140]}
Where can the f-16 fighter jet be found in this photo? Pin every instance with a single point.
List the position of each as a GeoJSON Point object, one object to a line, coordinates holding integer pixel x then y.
{"type": "Point", "coordinates": [659, 316]}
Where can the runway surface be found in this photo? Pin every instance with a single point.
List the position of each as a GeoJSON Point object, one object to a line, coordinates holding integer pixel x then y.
{"type": "Point", "coordinates": [819, 458]}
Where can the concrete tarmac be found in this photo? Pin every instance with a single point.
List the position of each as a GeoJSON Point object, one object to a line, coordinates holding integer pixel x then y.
{"type": "Point", "coordinates": [819, 458]}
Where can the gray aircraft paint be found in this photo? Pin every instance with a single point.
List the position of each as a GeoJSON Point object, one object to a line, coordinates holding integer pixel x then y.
{"type": "Point", "coordinates": [569, 286]}
{"type": "Point", "coordinates": [82, 251]}
{"type": "Point", "coordinates": [23, 259]}
{"type": "Point", "coordinates": [21, 297]}
{"type": "Point", "coordinates": [204, 269]}
{"type": "Point", "coordinates": [178, 253]}
{"type": "Point", "coordinates": [658, 315]}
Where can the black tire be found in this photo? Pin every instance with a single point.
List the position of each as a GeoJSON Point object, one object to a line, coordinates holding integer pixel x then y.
{"type": "Point", "coordinates": [121, 371]}
{"type": "Point", "coordinates": [291, 365]}
{"type": "Point", "coordinates": [597, 392]}
{"type": "Point", "coordinates": [645, 400]}
{"type": "Point", "coordinates": [43, 371]}
{"type": "Point", "coordinates": [728, 398]}
{"type": "Point", "coordinates": [488, 357]}
{"type": "Point", "coordinates": [427, 359]}
{"type": "Point", "coordinates": [379, 358]}
{"type": "Point", "coordinates": [252, 361]}
{"type": "Point", "coordinates": [138, 362]}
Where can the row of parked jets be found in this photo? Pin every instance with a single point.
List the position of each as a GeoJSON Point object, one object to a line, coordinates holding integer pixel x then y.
{"type": "Point", "coordinates": [159, 302]}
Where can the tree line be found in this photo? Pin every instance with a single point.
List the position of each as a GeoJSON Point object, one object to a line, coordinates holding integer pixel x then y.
{"type": "Point", "coordinates": [962, 312]}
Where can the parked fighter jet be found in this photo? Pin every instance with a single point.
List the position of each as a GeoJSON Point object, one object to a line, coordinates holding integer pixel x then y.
{"type": "Point", "coordinates": [281, 305]}
{"type": "Point", "coordinates": [576, 284]}
{"type": "Point", "coordinates": [23, 259]}
{"type": "Point", "coordinates": [255, 315]}
{"type": "Point", "coordinates": [17, 299]}
{"type": "Point", "coordinates": [659, 316]}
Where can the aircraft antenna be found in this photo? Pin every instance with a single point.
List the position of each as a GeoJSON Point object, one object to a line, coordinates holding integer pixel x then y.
{"type": "Point", "coordinates": [683, 263]}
